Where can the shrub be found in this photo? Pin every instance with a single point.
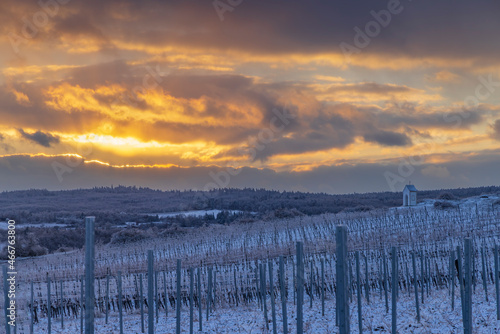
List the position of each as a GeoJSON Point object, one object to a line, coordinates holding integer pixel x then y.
{"type": "Point", "coordinates": [129, 235]}
{"type": "Point", "coordinates": [446, 196]}
{"type": "Point", "coordinates": [359, 208]}
{"type": "Point", "coordinates": [443, 205]}
{"type": "Point", "coordinates": [27, 246]}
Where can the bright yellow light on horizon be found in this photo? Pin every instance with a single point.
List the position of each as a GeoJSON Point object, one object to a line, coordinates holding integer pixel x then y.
{"type": "Point", "coordinates": [107, 140]}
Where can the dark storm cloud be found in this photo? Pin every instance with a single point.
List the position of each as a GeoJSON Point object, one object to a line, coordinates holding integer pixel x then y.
{"type": "Point", "coordinates": [181, 133]}
{"type": "Point", "coordinates": [101, 74]}
{"type": "Point", "coordinates": [496, 129]}
{"type": "Point", "coordinates": [387, 138]}
{"type": "Point", "coordinates": [310, 133]}
{"type": "Point", "coordinates": [449, 118]}
{"type": "Point", "coordinates": [195, 86]}
{"type": "Point", "coordinates": [370, 87]}
{"type": "Point", "coordinates": [40, 138]}
{"type": "Point", "coordinates": [77, 25]}
{"type": "Point", "coordinates": [422, 28]}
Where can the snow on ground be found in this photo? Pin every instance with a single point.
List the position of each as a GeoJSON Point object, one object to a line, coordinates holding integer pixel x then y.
{"type": "Point", "coordinates": [436, 315]}
{"type": "Point", "coordinates": [481, 201]}
{"type": "Point", "coordinates": [4, 225]}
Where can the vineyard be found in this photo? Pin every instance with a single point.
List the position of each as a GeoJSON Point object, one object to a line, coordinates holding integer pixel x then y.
{"type": "Point", "coordinates": [416, 270]}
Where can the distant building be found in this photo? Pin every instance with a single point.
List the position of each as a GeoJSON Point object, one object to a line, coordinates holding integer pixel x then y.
{"type": "Point", "coordinates": [409, 195]}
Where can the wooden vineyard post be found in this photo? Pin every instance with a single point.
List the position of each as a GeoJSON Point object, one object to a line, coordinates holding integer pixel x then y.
{"type": "Point", "coordinates": [151, 313]}
{"type": "Point", "coordinates": [485, 283]}
{"type": "Point", "coordinates": [209, 291]}
{"type": "Point", "coordinates": [342, 288]}
{"type": "Point", "coordinates": [141, 302]}
{"type": "Point", "coordinates": [497, 288]}
{"type": "Point", "coordinates": [474, 278]}
{"type": "Point", "coordinates": [81, 303]}
{"type": "Point", "coordinates": [157, 306]}
{"type": "Point", "coordinates": [120, 301]}
{"type": "Point", "coordinates": [6, 299]}
{"type": "Point", "coordinates": [358, 288]}
{"type": "Point", "coordinates": [294, 284]}
{"type": "Point", "coordinates": [452, 278]}
{"type": "Point", "coordinates": [283, 295]}
{"type": "Point", "coordinates": [422, 276]}
{"type": "Point", "coordinates": [214, 289]}
{"type": "Point", "coordinates": [107, 299]}
{"type": "Point", "coordinates": [349, 279]}
{"type": "Point", "coordinates": [166, 295]}
{"type": "Point", "coordinates": [262, 268]}
{"type": "Point", "coordinates": [367, 286]}
{"type": "Point", "coordinates": [467, 316]}
{"type": "Point", "coordinates": [300, 287]}
{"type": "Point", "coordinates": [257, 285]}
{"type": "Point", "coordinates": [415, 284]}
{"type": "Point", "coordinates": [311, 281]}
{"type": "Point", "coordinates": [428, 274]}
{"type": "Point", "coordinates": [191, 299]}
{"type": "Point", "coordinates": [385, 283]}
{"type": "Point", "coordinates": [178, 300]}
{"type": "Point", "coordinates": [395, 276]}
{"type": "Point", "coordinates": [461, 278]}
{"type": "Point", "coordinates": [381, 277]}
{"type": "Point", "coordinates": [408, 279]}
{"type": "Point", "coordinates": [236, 288]}
{"type": "Point", "coordinates": [271, 288]}
{"type": "Point", "coordinates": [322, 287]}
{"type": "Point", "coordinates": [89, 275]}
{"type": "Point", "coordinates": [49, 309]}
{"type": "Point", "coordinates": [62, 305]}
{"type": "Point", "coordinates": [31, 309]}
{"type": "Point", "coordinates": [200, 311]}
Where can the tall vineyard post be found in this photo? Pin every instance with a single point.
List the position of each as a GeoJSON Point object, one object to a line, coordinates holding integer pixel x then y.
{"type": "Point", "coordinates": [497, 288]}
{"type": "Point", "coordinates": [342, 284]}
{"type": "Point", "coordinates": [141, 301]}
{"type": "Point", "coordinates": [415, 284]}
{"type": "Point", "coordinates": [49, 308]}
{"type": "Point", "coordinates": [191, 299]}
{"type": "Point", "coordinates": [395, 276]}
{"type": "Point", "coordinates": [6, 299]}
{"type": "Point", "coordinates": [300, 287]}
{"type": "Point", "coordinates": [283, 295]}
{"type": "Point", "coordinates": [358, 288]}
{"type": "Point", "coordinates": [31, 308]}
{"type": "Point", "coordinates": [89, 275]}
{"type": "Point", "coordinates": [151, 314]}
{"type": "Point", "coordinates": [467, 316]}
{"type": "Point", "coordinates": [178, 300]}
{"type": "Point", "coordinates": [271, 289]}
{"type": "Point", "coordinates": [120, 301]}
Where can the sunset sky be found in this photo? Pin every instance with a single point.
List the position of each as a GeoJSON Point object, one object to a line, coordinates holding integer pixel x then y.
{"type": "Point", "coordinates": [321, 96]}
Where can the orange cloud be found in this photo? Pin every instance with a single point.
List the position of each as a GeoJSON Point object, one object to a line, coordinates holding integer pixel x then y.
{"type": "Point", "coordinates": [445, 76]}
{"type": "Point", "coordinates": [21, 98]}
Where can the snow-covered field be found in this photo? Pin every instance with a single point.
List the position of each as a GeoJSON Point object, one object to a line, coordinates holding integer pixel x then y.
{"type": "Point", "coordinates": [240, 247]}
{"type": "Point", "coordinates": [436, 317]}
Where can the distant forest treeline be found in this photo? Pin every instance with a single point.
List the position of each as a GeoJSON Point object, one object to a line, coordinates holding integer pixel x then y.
{"type": "Point", "coordinates": [115, 205]}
